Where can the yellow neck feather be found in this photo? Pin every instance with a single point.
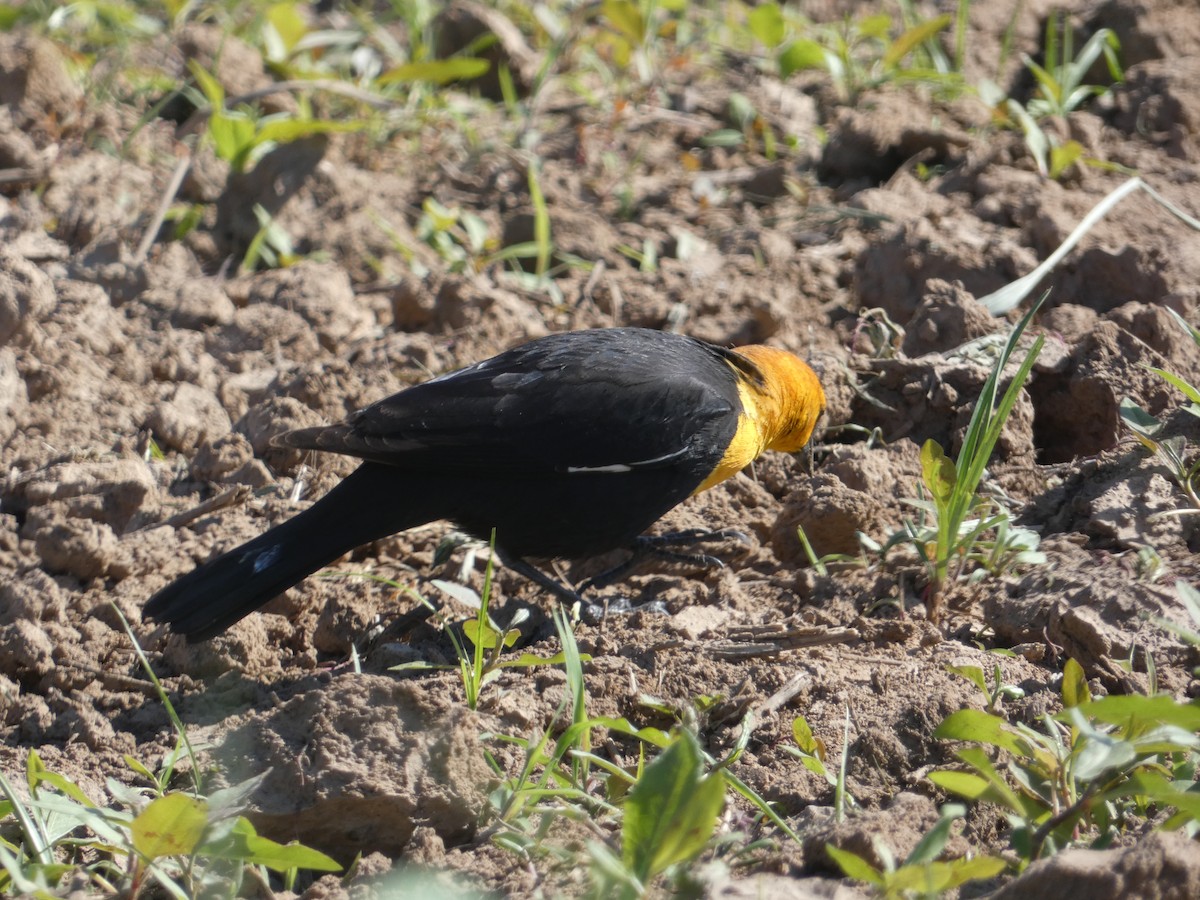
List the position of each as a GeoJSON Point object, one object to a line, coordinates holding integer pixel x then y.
{"type": "Point", "coordinates": [779, 414]}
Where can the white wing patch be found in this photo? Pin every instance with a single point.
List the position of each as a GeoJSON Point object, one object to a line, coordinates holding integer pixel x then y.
{"type": "Point", "coordinates": [616, 467]}
{"type": "Point", "coordinates": [629, 467]}
{"type": "Point", "coordinates": [266, 557]}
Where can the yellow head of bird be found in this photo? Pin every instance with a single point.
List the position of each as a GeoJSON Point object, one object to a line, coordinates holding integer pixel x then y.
{"type": "Point", "coordinates": [790, 401]}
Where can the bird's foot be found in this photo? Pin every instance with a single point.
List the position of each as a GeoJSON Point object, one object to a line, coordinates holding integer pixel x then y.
{"type": "Point", "coordinates": [567, 595]}
{"type": "Point", "coordinates": [659, 546]}
{"type": "Point", "coordinates": [620, 605]}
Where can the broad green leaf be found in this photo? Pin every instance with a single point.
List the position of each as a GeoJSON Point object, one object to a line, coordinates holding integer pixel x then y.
{"type": "Point", "coordinates": [854, 866]}
{"type": "Point", "coordinates": [213, 92]}
{"type": "Point", "coordinates": [288, 23]}
{"type": "Point", "coordinates": [37, 774]}
{"type": "Point", "coordinates": [742, 114]}
{"type": "Point", "coordinates": [723, 137]}
{"type": "Point", "coordinates": [1160, 709]}
{"type": "Point", "coordinates": [460, 592]}
{"type": "Point", "coordinates": [1095, 755]}
{"type": "Point", "coordinates": [229, 801]}
{"type": "Point", "coordinates": [876, 26]}
{"type": "Point", "coordinates": [655, 737]}
{"type": "Point", "coordinates": [243, 844]}
{"type": "Point", "coordinates": [1063, 156]}
{"type": "Point", "coordinates": [285, 130]}
{"type": "Point", "coordinates": [965, 784]}
{"type": "Point", "coordinates": [1074, 685]}
{"type": "Point", "coordinates": [973, 674]}
{"type": "Point", "coordinates": [998, 790]}
{"type": "Point", "coordinates": [671, 812]}
{"type": "Point", "coordinates": [1158, 789]}
{"type": "Point", "coordinates": [232, 134]}
{"type": "Point", "coordinates": [814, 765]}
{"type": "Point", "coordinates": [975, 869]}
{"type": "Point", "coordinates": [486, 636]}
{"type": "Point", "coordinates": [913, 38]}
{"type": "Point", "coordinates": [1140, 422]}
{"type": "Point", "coordinates": [139, 768]}
{"type": "Point", "coordinates": [937, 471]}
{"type": "Point", "coordinates": [626, 18]}
{"type": "Point", "coordinates": [767, 25]}
{"type": "Point", "coordinates": [439, 71]}
{"type": "Point", "coordinates": [171, 825]}
{"type": "Point", "coordinates": [800, 54]}
{"type": "Point", "coordinates": [803, 735]}
{"type": "Point", "coordinates": [933, 878]}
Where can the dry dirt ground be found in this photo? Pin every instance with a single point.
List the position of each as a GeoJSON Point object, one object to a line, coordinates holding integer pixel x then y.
{"type": "Point", "coordinates": [912, 205]}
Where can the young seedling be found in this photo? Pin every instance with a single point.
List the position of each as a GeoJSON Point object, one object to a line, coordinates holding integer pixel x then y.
{"type": "Point", "coordinates": [858, 54]}
{"type": "Point", "coordinates": [1172, 451]}
{"type": "Point", "coordinates": [953, 487]}
{"type": "Point", "coordinates": [812, 753]}
{"type": "Point", "coordinates": [1092, 769]}
{"type": "Point", "coordinates": [1060, 91]}
{"type": "Point", "coordinates": [996, 692]}
{"type": "Point", "coordinates": [1060, 81]}
{"type": "Point", "coordinates": [188, 844]}
{"type": "Point", "coordinates": [921, 872]}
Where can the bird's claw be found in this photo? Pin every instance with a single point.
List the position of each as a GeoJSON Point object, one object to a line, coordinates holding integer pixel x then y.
{"type": "Point", "coordinates": [620, 605]}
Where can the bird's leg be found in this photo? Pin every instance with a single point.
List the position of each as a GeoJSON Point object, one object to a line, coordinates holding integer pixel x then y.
{"type": "Point", "coordinates": [538, 577]}
{"type": "Point", "coordinates": [659, 546]}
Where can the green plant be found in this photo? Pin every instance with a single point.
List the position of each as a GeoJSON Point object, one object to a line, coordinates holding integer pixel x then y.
{"type": "Point", "coordinates": [820, 564]}
{"type": "Point", "coordinates": [541, 249]}
{"type": "Point", "coordinates": [1060, 91]}
{"type": "Point", "coordinates": [953, 538]}
{"type": "Point", "coordinates": [1060, 87]}
{"type": "Point", "coordinates": [479, 650]}
{"type": "Point", "coordinates": [996, 692]}
{"type": "Point", "coordinates": [271, 245]}
{"type": "Point", "coordinates": [884, 335]}
{"type": "Point", "coordinates": [1005, 548]}
{"type": "Point", "coordinates": [858, 54]}
{"type": "Point", "coordinates": [663, 812]}
{"type": "Point", "coordinates": [921, 873]}
{"type": "Point", "coordinates": [460, 238]}
{"type": "Point", "coordinates": [1149, 564]}
{"type": "Point", "coordinates": [556, 775]}
{"type": "Point", "coordinates": [1172, 451]}
{"type": "Point", "coordinates": [628, 35]}
{"type": "Point", "coordinates": [669, 816]}
{"type": "Point", "coordinates": [186, 843]}
{"type": "Point", "coordinates": [1090, 770]}
{"type": "Point", "coordinates": [241, 137]}
{"type": "Point", "coordinates": [812, 753]}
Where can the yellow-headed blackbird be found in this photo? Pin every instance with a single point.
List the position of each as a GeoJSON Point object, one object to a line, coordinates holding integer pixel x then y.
{"type": "Point", "coordinates": [568, 446]}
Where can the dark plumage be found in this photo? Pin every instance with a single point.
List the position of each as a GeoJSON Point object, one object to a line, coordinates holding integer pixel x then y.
{"type": "Point", "coordinates": [570, 445]}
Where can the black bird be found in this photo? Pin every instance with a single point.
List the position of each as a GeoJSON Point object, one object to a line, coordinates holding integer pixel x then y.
{"type": "Point", "coordinates": [569, 446]}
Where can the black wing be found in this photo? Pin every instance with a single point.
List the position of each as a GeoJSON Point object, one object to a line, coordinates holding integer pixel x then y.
{"type": "Point", "coordinates": [602, 400]}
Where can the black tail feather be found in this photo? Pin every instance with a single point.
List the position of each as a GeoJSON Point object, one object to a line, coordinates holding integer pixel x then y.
{"type": "Point", "coordinates": [218, 593]}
